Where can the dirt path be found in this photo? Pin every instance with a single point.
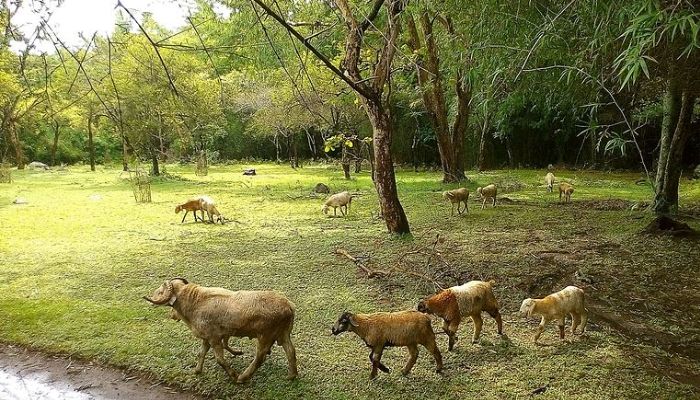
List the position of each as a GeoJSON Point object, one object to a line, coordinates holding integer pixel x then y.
{"type": "Point", "coordinates": [27, 374]}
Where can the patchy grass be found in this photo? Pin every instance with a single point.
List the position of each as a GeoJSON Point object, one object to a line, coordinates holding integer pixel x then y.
{"type": "Point", "coordinates": [73, 269]}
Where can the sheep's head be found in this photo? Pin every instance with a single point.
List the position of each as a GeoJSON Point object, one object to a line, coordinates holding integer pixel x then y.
{"type": "Point", "coordinates": [527, 307]}
{"type": "Point", "coordinates": [324, 208]}
{"type": "Point", "coordinates": [423, 307]}
{"type": "Point", "coordinates": [478, 190]}
{"type": "Point", "coordinates": [178, 209]}
{"type": "Point", "coordinates": [167, 292]}
{"type": "Point", "coordinates": [446, 195]}
{"type": "Point", "coordinates": [344, 323]}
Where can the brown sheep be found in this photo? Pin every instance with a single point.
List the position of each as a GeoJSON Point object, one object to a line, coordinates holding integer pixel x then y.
{"type": "Point", "coordinates": [567, 190]}
{"type": "Point", "coordinates": [457, 302]}
{"type": "Point", "coordinates": [213, 314]}
{"type": "Point", "coordinates": [378, 330]}
{"type": "Point", "coordinates": [193, 205]}
{"type": "Point", "coordinates": [569, 301]}
{"type": "Point", "coordinates": [457, 196]}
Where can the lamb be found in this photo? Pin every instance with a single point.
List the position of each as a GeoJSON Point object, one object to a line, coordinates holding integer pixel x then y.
{"type": "Point", "coordinates": [459, 196]}
{"type": "Point", "coordinates": [487, 192]}
{"type": "Point", "coordinates": [193, 205]}
{"type": "Point", "coordinates": [457, 302]}
{"type": "Point", "coordinates": [567, 190]}
{"type": "Point", "coordinates": [549, 180]}
{"type": "Point", "coordinates": [214, 314]}
{"type": "Point", "coordinates": [557, 306]}
{"type": "Point", "coordinates": [342, 199]}
{"type": "Point", "coordinates": [378, 330]}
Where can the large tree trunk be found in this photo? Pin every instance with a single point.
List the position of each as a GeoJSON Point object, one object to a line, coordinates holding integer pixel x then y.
{"type": "Point", "coordinates": [678, 111]}
{"type": "Point", "coordinates": [16, 144]}
{"type": "Point", "coordinates": [385, 180]}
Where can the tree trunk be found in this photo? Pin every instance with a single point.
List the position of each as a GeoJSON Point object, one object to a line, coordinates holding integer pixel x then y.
{"type": "Point", "coordinates": [450, 140]}
{"type": "Point", "coordinates": [385, 180]}
{"type": "Point", "coordinates": [346, 170]}
{"type": "Point", "coordinates": [483, 143]}
{"type": "Point", "coordinates": [91, 144]}
{"type": "Point", "coordinates": [125, 155]}
{"type": "Point", "coordinates": [154, 162]}
{"type": "Point", "coordinates": [16, 144]}
{"type": "Point", "coordinates": [56, 132]}
{"type": "Point", "coordinates": [678, 111]}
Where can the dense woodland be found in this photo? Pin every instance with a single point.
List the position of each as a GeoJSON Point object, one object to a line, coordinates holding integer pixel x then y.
{"type": "Point", "coordinates": [446, 84]}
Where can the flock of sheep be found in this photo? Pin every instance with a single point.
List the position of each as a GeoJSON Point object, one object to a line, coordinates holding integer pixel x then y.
{"type": "Point", "coordinates": [214, 314]}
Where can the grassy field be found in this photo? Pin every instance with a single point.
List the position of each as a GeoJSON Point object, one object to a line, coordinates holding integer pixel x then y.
{"type": "Point", "coordinates": [76, 260]}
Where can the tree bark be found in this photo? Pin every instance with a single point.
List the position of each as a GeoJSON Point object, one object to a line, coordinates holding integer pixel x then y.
{"type": "Point", "coordinates": [91, 144]}
{"type": "Point", "coordinates": [16, 144]}
{"type": "Point", "coordinates": [125, 155]}
{"type": "Point", "coordinates": [675, 130]}
{"type": "Point", "coordinates": [385, 179]}
{"type": "Point", "coordinates": [450, 140]}
{"type": "Point", "coordinates": [56, 133]}
{"type": "Point", "coordinates": [483, 143]}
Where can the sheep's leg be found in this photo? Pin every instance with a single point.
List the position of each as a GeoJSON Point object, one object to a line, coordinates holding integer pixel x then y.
{"type": "Point", "coordinates": [377, 361]}
{"type": "Point", "coordinates": [183, 217]}
{"type": "Point", "coordinates": [343, 213]}
{"type": "Point", "coordinates": [483, 205]}
{"type": "Point", "coordinates": [413, 351]}
{"type": "Point", "coordinates": [494, 201]}
{"type": "Point", "coordinates": [263, 350]}
{"type": "Point", "coordinates": [466, 206]}
{"type": "Point", "coordinates": [584, 320]}
{"type": "Point", "coordinates": [540, 329]}
{"type": "Point", "coordinates": [335, 214]}
{"type": "Point", "coordinates": [291, 353]}
{"type": "Point", "coordinates": [452, 213]}
{"type": "Point", "coordinates": [478, 323]}
{"type": "Point", "coordinates": [495, 314]}
{"type": "Point", "coordinates": [560, 323]}
{"type": "Point", "coordinates": [219, 355]}
{"type": "Point", "coordinates": [575, 322]}
{"type": "Point", "coordinates": [432, 347]}
{"type": "Point", "coordinates": [200, 358]}
{"type": "Point", "coordinates": [381, 366]}
{"type": "Point", "coordinates": [451, 331]}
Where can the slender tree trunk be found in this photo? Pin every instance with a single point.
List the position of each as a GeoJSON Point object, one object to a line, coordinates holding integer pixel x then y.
{"type": "Point", "coordinates": [56, 133]}
{"type": "Point", "coordinates": [125, 155]}
{"type": "Point", "coordinates": [16, 144]}
{"type": "Point", "coordinates": [91, 144]}
{"type": "Point", "coordinates": [678, 111]}
{"type": "Point", "coordinates": [483, 143]}
{"type": "Point", "coordinates": [385, 180]}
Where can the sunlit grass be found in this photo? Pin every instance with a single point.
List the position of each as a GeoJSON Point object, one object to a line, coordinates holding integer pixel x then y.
{"type": "Point", "coordinates": [75, 261]}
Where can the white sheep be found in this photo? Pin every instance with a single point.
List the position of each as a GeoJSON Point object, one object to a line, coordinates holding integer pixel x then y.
{"type": "Point", "coordinates": [378, 330]}
{"type": "Point", "coordinates": [549, 181]}
{"type": "Point", "coordinates": [457, 302]}
{"type": "Point", "coordinates": [342, 199]}
{"type": "Point", "coordinates": [487, 192]}
{"type": "Point", "coordinates": [214, 314]}
{"type": "Point", "coordinates": [557, 306]}
{"type": "Point", "coordinates": [457, 196]}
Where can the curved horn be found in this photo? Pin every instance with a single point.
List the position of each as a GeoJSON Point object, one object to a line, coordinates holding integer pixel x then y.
{"type": "Point", "coordinates": [180, 279]}
{"type": "Point", "coordinates": [164, 293]}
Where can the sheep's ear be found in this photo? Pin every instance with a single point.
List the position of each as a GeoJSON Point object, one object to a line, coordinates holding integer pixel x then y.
{"type": "Point", "coordinates": [351, 319]}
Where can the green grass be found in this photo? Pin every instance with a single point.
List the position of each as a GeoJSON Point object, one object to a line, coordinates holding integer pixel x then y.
{"type": "Point", "coordinates": [73, 271]}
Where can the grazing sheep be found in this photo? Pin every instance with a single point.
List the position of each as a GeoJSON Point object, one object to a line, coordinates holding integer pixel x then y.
{"type": "Point", "coordinates": [487, 192]}
{"type": "Point", "coordinates": [378, 330]}
{"type": "Point", "coordinates": [209, 205]}
{"type": "Point", "coordinates": [557, 306]}
{"type": "Point", "coordinates": [567, 190]}
{"type": "Point", "coordinates": [214, 314]}
{"type": "Point", "coordinates": [38, 165]}
{"type": "Point", "coordinates": [342, 199]}
{"type": "Point", "coordinates": [322, 188]}
{"type": "Point", "coordinates": [457, 196]}
{"type": "Point", "coordinates": [193, 205]}
{"type": "Point", "coordinates": [549, 180]}
{"type": "Point", "coordinates": [454, 303]}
